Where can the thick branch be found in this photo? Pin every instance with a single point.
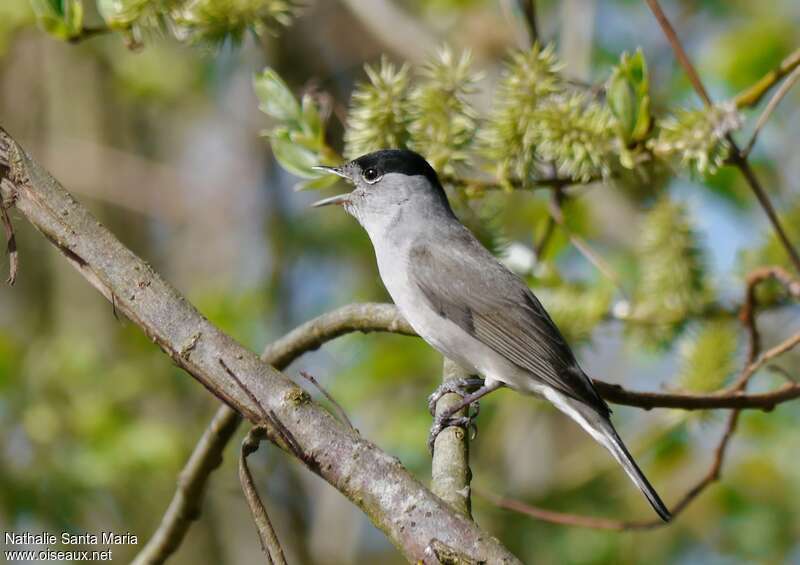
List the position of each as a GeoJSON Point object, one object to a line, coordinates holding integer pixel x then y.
{"type": "Point", "coordinates": [185, 505]}
{"type": "Point", "coordinates": [409, 514]}
{"type": "Point", "coordinates": [450, 473]}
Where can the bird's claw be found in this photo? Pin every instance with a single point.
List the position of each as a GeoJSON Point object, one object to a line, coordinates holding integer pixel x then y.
{"type": "Point", "coordinates": [447, 419]}
{"type": "Point", "coordinates": [460, 387]}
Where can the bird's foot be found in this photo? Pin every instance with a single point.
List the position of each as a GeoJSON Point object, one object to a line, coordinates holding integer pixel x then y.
{"type": "Point", "coordinates": [447, 419]}
{"type": "Point", "coordinates": [461, 387]}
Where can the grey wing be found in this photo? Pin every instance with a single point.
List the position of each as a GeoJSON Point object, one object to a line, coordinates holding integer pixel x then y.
{"type": "Point", "coordinates": [466, 285]}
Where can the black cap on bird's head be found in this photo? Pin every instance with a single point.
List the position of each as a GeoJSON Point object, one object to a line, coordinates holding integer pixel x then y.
{"type": "Point", "coordinates": [368, 171]}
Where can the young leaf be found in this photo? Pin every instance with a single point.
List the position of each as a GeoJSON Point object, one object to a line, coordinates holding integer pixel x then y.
{"type": "Point", "coordinates": [61, 18]}
{"type": "Point", "coordinates": [275, 98]}
{"type": "Point", "coordinates": [629, 98]}
{"type": "Point", "coordinates": [292, 156]}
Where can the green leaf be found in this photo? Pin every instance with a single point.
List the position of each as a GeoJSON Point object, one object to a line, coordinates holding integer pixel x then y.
{"type": "Point", "coordinates": [292, 156]}
{"type": "Point", "coordinates": [629, 99]}
{"type": "Point", "coordinates": [61, 18]}
{"type": "Point", "coordinates": [312, 121]}
{"type": "Point", "coordinates": [275, 98]}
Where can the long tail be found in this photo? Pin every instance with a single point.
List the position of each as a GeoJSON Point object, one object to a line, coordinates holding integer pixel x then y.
{"type": "Point", "coordinates": [623, 456]}
{"type": "Point", "coordinates": [602, 430]}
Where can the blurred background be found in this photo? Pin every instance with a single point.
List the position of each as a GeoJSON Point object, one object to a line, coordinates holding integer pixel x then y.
{"type": "Point", "coordinates": [163, 144]}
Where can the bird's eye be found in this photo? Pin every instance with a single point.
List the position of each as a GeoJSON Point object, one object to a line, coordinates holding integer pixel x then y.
{"type": "Point", "coordinates": [371, 175]}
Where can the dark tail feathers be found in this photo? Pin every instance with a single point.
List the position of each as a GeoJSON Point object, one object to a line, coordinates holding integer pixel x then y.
{"type": "Point", "coordinates": [625, 459]}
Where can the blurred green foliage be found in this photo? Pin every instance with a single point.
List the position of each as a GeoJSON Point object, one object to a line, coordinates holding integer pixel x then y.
{"type": "Point", "coordinates": [96, 422]}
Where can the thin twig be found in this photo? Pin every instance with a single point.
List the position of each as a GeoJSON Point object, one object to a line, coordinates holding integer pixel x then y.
{"type": "Point", "coordinates": [270, 544]}
{"type": "Point", "coordinates": [540, 246]}
{"type": "Point", "coordinates": [88, 33]}
{"type": "Point", "coordinates": [747, 310]}
{"type": "Point", "coordinates": [522, 14]}
{"type": "Point", "coordinates": [11, 244]}
{"type": "Point", "coordinates": [790, 378]}
{"type": "Point", "coordinates": [738, 159]}
{"type": "Point", "coordinates": [518, 184]}
{"type": "Point", "coordinates": [683, 58]}
{"type": "Point", "coordinates": [187, 501]}
{"type": "Point", "coordinates": [245, 389]}
{"type": "Point", "coordinates": [771, 105]}
{"type": "Point", "coordinates": [583, 247]}
{"type": "Point", "coordinates": [583, 521]}
{"type": "Point", "coordinates": [755, 185]}
{"type": "Point", "coordinates": [753, 94]}
{"type": "Point", "coordinates": [338, 407]}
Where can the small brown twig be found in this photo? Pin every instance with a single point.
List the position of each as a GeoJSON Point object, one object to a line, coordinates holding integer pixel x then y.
{"type": "Point", "coordinates": [783, 373]}
{"type": "Point", "coordinates": [583, 247]}
{"type": "Point", "coordinates": [187, 501]}
{"type": "Point", "coordinates": [737, 158]}
{"type": "Point", "coordinates": [88, 33]}
{"type": "Point", "coordinates": [11, 244]}
{"type": "Point", "coordinates": [583, 521]}
{"type": "Point", "coordinates": [743, 165]}
{"type": "Point", "coordinates": [9, 188]}
{"type": "Point", "coordinates": [338, 407]}
{"type": "Point", "coordinates": [680, 53]}
{"type": "Point", "coordinates": [771, 105]}
{"type": "Point", "coordinates": [747, 311]}
{"type": "Point", "coordinates": [549, 182]}
{"type": "Point", "coordinates": [270, 544]}
{"type": "Point", "coordinates": [280, 434]}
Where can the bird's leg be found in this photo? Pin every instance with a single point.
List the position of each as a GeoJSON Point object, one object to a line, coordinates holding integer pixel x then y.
{"type": "Point", "coordinates": [461, 387]}
{"type": "Point", "coordinates": [446, 419]}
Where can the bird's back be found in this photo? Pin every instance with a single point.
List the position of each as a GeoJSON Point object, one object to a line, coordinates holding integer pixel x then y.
{"type": "Point", "coordinates": [468, 305]}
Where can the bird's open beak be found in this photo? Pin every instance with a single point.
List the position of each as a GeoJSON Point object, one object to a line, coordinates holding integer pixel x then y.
{"type": "Point", "coordinates": [333, 170]}
{"type": "Point", "coordinates": [339, 199]}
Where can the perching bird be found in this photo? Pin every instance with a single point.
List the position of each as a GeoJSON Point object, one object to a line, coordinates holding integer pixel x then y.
{"type": "Point", "coordinates": [465, 303]}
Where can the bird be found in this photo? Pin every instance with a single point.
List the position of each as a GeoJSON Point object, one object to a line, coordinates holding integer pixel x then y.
{"type": "Point", "coordinates": [466, 304]}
